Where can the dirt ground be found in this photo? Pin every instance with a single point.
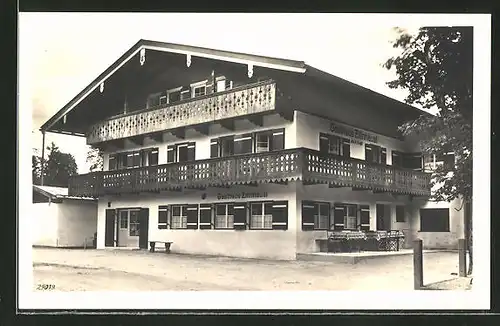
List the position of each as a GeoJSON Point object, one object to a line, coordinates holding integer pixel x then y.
{"type": "Point", "coordinates": [134, 270]}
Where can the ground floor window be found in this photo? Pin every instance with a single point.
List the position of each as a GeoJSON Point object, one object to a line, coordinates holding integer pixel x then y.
{"type": "Point", "coordinates": [261, 215]}
{"type": "Point", "coordinates": [178, 218]}
{"type": "Point", "coordinates": [224, 216]}
{"type": "Point", "coordinates": [315, 215]}
{"type": "Point", "coordinates": [434, 220]}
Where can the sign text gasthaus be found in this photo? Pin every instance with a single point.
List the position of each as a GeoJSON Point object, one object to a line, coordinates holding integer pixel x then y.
{"type": "Point", "coordinates": [352, 133]}
{"type": "Point", "coordinates": [242, 195]}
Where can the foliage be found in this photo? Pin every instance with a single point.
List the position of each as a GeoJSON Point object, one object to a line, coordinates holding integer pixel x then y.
{"type": "Point", "coordinates": [35, 169]}
{"type": "Point", "coordinates": [58, 167]}
{"type": "Point", "coordinates": [96, 159]}
{"type": "Point", "coordinates": [435, 67]}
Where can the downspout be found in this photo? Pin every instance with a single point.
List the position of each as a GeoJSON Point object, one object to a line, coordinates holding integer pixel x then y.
{"type": "Point", "coordinates": [42, 159]}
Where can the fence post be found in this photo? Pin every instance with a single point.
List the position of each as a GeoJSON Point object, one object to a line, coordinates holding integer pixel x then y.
{"type": "Point", "coordinates": [462, 258]}
{"type": "Point", "coordinates": [418, 273]}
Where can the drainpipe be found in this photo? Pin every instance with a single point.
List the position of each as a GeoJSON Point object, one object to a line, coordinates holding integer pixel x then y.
{"type": "Point", "coordinates": [42, 159]}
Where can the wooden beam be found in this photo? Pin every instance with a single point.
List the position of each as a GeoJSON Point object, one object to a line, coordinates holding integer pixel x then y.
{"type": "Point", "coordinates": [227, 124]}
{"type": "Point", "coordinates": [179, 133]}
{"type": "Point", "coordinates": [257, 120]}
{"type": "Point", "coordinates": [202, 129]}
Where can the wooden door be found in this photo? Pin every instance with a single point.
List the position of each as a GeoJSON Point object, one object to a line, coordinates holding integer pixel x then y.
{"type": "Point", "coordinates": [109, 231]}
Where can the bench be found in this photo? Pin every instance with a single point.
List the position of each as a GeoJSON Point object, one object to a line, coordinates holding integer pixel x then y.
{"type": "Point", "coordinates": [152, 245]}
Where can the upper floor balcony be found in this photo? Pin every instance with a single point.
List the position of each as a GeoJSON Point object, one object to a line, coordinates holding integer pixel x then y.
{"type": "Point", "coordinates": [256, 98]}
{"type": "Point", "coordinates": [309, 166]}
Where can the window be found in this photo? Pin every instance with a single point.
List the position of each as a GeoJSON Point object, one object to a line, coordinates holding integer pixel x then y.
{"type": "Point", "coordinates": [146, 157]}
{"type": "Point", "coordinates": [400, 214]}
{"type": "Point", "coordinates": [262, 142]}
{"type": "Point", "coordinates": [433, 161]}
{"type": "Point", "coordinates": [269, 140]}
{"type": "Point", "coordinates": [397, 159]}
{"type": "Point", "coordinates": [375, 154]}
{"type": "Point", "coordinates": [223, 84]}
{"type": "Point", "coordinates": [178, 219]}
{"type": "Point", "coordinates": [184, 152]}
{"type": "Point", "coordinates": [112, 162]}
{"type": "Point", "coordinates": [134, 223]}
{"type": "Point", "coordinates": [174, 95]}
{"type": "Point", "coordinates": [334, 145]}
{"type": "Point", "coordinates": [412, 161]}
{"type": "Point", "coordinates": [185, 94]}
{"type": "Point", "coordinates": [224, 216]}
{"type": "Point", "coordinates": [205, 216]}
{"type": "Point", "coordinates": [351, 218]}
{"type": "Point", "coordinates": [261, 215]}
{"type": "Point", "coordinates": [162, 217]}
{"type": "Point", "coordinates": [153, 100]}
{"type": "Point", "coordinates": [243, 144]}
{"type": "Point", "coordinates": [434, 220]}
{"type": "Point", "coordinates": [124, 219]}
{"type": "Point", "coordinates": [315, 215]}
{"type": "Point", "coordinates": [153, 157]}
{"type": "Point", "coordinates": [345, 217]}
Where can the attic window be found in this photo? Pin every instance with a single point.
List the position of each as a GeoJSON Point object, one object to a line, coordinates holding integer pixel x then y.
{"type": "Point", "coordinates": [199, 89]}
{"type": "Point", "coordinates": [223, 84]}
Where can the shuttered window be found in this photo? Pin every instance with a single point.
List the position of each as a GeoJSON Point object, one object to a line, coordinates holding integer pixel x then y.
{"type": "Point", "coordinates": [364, 216]}
{"type": "Point", "coordinates": [332, 144]}
{"type": "Point", "coordinates": [240, 216]}
{"type": "Point", "coordinates": [261, 215]}
{"type": "Point", "coordinates": [192, 216]}
{"type": "Point", "coordinates": [280, 215]}
{"type": "Point", "coordinates": [224, 216]}
{"type": "Point", "coordinates": [171, 154]}
{"type": "Point", "coordinates": [162, 217]}
{"type": "Point", "coordinates": [178, 216]}
{"type": "Point", "coordinates": [315, 215]}
{"type": "Point", "coordinates": [205, 216]}
{"type": "Point", "coordinates": [308, 210]}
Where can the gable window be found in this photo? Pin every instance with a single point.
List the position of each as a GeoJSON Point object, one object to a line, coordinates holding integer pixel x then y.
{"type": "Point", "coordinates": [334, 145]}
{"type": "Point", "coordinates": [199, 89]}
{"type": "Point", "coordinates": [434, 220]}
{"type": "Point", "coordinates": [400, 214]}
{"type": "Point", "coordinates": [375, 154]}
{"type": "Point", "coordinates": [178, 218]}
{"type": "Point", "coordinates": [183, 152]}
{"type": "Point", "coordinates": [224, 216]}
{"type": "Point", "coordinates": [261, 215]}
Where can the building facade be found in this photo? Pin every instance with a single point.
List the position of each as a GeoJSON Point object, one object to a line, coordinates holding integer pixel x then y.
{"type": "Point", "coordinates": [232, 154]}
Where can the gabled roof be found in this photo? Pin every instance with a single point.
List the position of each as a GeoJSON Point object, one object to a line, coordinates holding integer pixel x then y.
{"type": "Point", "coordinates": [236, 57]}
{"type": "Point", "coordinates": [56, 193]}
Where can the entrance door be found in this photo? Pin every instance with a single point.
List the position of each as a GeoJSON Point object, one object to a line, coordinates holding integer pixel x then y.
{"type": "Point", "coordinates": [383, 217]}
{"type": "Point", "coordinates": [109, 229]}
{"type": "Point", "coordinates": [143, 228]}
{"type": "Point", "coordinates": [128, 227]}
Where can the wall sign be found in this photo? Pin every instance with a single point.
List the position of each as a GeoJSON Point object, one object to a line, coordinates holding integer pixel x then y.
{"type": "Point", "coordinates": [242, 195]}
{"type": "Point", "coordinates": [353, 133]}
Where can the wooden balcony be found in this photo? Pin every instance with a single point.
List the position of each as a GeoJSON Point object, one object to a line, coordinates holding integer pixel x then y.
{"type": "Point", "coordinates": [240, 101]}
{"type": "Point", "coordinates": [307, 165]}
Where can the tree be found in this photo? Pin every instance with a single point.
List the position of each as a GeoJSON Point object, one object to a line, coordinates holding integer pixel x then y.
{"type": "Point", "coordinates": [58, 167]}
{"type": "Point", "coordinates": [35, 169]}
{"type": "Point", "coordinates": [95, 158]}
{"type": "Point", "coordinates": [435, 67]}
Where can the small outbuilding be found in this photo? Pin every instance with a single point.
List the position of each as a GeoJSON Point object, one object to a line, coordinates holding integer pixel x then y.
{"type": "Point", "coordinates": [59, 220]}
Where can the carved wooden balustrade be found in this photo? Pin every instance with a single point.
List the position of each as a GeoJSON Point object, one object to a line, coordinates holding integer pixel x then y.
{"type": "Point", "coordinates": [239, 101]}
{"type": "Point", "coordinates": [307, 165]}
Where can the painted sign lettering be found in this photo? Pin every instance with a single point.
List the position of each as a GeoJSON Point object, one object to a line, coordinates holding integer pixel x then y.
{"type": "Point", "coordinates": [352, 133]}
{"type": "Point", "coordinates": [242, 195]}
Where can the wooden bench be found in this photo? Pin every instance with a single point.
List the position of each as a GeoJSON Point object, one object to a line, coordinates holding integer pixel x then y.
{"type": "Point", "coordinates": [152, 245]}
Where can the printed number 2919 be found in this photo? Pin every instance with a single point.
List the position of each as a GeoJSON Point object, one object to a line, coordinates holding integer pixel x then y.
{"type": "Point", "coordinates": [45, 287]}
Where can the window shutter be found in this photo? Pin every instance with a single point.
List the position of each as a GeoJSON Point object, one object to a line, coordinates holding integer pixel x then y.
{"type": "Point", "coordinates": [339, 217]}
{"type": "Point", "coordinates": [214, 148]}
{"type": "Point", "coordinates": [346, 148]}
{"type": "Point", "coordinates": [277, 140]}
{"type": "Point", "coordinates": [240, 216]}
{"type": "Point", "coordinates": [112, 163]}
{"type": "Point", "coordinates": [192, 216]}
{"type": "Point", "coordinates": [383, 156]}
{"type": "Point", "coordinates": [323, 144]}
{"type": "Point", "coordinates": [368, 153]}
{"type": "Point", "coordinates": [205, 216]}
{"type": "Point", "coordinates": [191, 151]}
{"type": "Point", "coordinates": [153, 157]}
{"type": "Point", "coordinates": [280, 215]}
{"type": "Point", "coordinates": [162, 217]}
{"type": "Point", "coordinates": [308, 210]}
{"type": "Point", "coordinates": [171, 154]}
{"type": "Point", "coordinates": [364, 217]}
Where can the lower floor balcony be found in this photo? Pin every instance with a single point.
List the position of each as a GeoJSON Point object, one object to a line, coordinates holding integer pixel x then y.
{"type": "Point", "coordinates": [307, 165]}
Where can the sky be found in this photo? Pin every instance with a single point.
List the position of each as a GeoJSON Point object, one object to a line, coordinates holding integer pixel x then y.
{"type": "Point", "coordinates": [61, 53]}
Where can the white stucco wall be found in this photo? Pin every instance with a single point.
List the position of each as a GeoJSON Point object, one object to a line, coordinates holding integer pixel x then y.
{"type": "Point", "coordinates": [77, 223]}
{"type": "Point", "coordinates": [439, 240]}
{"type": "Point", "coordinates": [271, 244]}
{"type": "Point", "coordinates": [44, 224]}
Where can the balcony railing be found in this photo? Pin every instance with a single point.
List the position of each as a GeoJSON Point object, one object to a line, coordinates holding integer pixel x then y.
{"type": "Point", "coordinates": [307, 165]}
{"type": "Point", "coordinates": [239, 101]}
